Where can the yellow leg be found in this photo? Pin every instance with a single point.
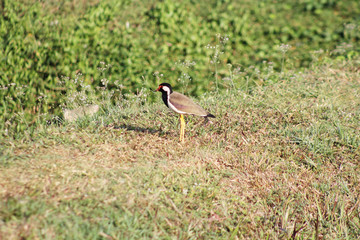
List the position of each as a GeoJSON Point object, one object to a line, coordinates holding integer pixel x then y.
{"type": "Point", "coordinates": [182, 128]}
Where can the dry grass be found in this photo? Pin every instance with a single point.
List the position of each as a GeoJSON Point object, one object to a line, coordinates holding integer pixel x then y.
{"type": "Point", "coordinates": [279, 163]}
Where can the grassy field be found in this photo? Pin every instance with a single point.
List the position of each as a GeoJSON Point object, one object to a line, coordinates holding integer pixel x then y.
{"type": "Point", "coordinates": [280, 161]}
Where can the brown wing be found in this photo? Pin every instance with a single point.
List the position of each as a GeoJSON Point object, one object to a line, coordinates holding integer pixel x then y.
{"type": "Point", "coordinates": [185, 104]}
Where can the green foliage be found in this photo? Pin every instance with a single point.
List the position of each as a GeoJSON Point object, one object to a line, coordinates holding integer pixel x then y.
{"type": "Point", "coordinates": [41, 42]}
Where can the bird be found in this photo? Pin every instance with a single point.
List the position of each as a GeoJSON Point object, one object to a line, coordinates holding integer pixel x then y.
{"type": "Point", "coordinates": [181, 104]}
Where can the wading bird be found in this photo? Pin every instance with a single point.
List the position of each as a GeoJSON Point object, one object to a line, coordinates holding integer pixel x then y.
{"type": "Point", "coordinates": [181, 104]}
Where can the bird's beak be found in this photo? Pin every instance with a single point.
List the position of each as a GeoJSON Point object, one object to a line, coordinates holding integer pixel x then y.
{"type": "Point", "coordinates": [155, 90]}
{"type": "Point", "coordinates": [158, 89]}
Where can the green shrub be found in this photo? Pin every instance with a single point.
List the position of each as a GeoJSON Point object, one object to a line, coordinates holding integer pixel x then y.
{"type": "Point", "coordinates": [41, 42]}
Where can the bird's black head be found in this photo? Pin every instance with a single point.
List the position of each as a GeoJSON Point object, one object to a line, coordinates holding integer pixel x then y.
{"type": "Point", "coordinates": [165, 87]}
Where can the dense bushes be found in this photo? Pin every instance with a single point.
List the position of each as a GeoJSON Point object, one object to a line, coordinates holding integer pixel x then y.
{"type": "Point", "coordinates": [40, 42]}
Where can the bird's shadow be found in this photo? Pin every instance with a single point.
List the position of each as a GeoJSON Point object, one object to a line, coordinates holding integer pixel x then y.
{"type": "Point", "coordinates": [130, 127]}
{"type": "Point", "coordinates": [136, 128]}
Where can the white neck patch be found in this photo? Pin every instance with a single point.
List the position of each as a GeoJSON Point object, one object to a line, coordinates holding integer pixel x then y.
{"type": "Point", "coordinates": [166, 89]}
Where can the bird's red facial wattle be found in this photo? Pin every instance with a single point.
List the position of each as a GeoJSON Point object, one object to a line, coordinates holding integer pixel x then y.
{"type": "Point", "coordinates": [160, 87]}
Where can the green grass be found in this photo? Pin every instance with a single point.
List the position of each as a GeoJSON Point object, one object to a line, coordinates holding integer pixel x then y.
{"type": "Point", "coordinates": [280, 161]}
{"type": "Point", "coordinates": [42, 41]}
